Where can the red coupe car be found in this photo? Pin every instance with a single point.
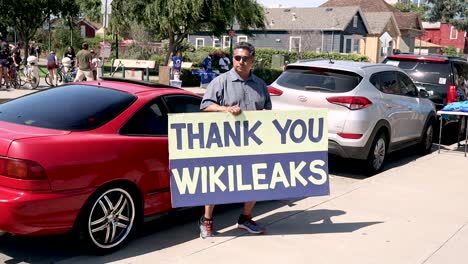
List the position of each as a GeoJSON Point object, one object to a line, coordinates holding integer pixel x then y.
{"type": "Point", "coordinates": [88, 157]}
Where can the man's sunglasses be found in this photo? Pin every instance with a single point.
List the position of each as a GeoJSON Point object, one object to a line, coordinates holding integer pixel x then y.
{"type": "Point", "coordinates": [244, 58]}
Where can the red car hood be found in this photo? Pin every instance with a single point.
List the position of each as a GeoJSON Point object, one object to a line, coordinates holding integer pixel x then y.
{"type": "Point", "coordinates": [10, 132]}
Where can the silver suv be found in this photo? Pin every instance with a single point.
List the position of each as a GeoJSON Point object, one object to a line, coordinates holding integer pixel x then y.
{"type": "Point", "coordinates": [374, 109]}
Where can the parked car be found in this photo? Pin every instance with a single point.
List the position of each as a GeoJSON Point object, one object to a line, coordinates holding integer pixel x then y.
{"type": "Point", "coordinates": [88, 157]}
{"type": "Point", "coordinates": [444, 78]}
{"type": "Point", "coordinates": [374, 109]}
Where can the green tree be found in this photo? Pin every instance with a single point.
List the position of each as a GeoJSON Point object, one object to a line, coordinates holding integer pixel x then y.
{"type": "Point", "coordinates": [91, 9]}
{"type": "Point", "coordinates": [25, 17]}
{"type": "Point", "coordinates": [451, 11]}
{"type": "Point", "coordinates": [175, 19]}
{"type": "Point", "coordinates": [421, 10]}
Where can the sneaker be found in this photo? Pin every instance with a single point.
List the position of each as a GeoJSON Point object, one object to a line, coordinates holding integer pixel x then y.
{"type": "Point", "coordinates": [246, 222]}
{"type": "Point", "coordinates": [206, 227]}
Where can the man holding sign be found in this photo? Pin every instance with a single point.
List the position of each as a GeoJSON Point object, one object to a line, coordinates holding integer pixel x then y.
{"type": "Point", "coordinates": [235, 91]}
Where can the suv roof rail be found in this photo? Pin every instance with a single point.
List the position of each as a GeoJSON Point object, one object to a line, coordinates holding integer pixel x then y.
{"type": "Point", "coordinates": [144, 83]}
{"type": "Point", "coordinates": [314, 59]}
{"type": "Point", "coordinates": [376, 65]}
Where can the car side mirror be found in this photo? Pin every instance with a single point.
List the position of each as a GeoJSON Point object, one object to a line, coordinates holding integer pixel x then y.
{"type": "Point", "coordinates": [423, 93]}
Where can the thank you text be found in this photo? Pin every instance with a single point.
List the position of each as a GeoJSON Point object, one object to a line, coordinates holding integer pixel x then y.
{"type": "Point", "coordinates": [218, 158]}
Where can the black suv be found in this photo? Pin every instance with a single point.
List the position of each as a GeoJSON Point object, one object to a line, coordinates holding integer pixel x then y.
{"type": "Point", "coordinates": [444, 78]}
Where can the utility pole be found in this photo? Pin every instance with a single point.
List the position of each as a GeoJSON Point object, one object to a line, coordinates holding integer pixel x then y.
{"type": "Point", "coordinates": [48, 22]}
{"type": "Point", "coordinates": [104, 22]}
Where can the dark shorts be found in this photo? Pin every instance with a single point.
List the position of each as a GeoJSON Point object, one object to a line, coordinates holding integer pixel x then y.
{"type": "Point", "coordinates": [51, 66]}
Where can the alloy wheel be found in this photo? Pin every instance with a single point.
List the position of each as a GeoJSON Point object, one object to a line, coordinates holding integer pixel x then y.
{"type": "Point", "coordinates": [111, 218]}
{"type": "Point", "coordinates": [379, 153]}
{"type": "Point", "coordinates": [429, 137]}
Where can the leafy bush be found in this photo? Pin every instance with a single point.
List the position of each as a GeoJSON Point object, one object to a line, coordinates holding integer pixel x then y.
{"type": "Point", "coordinates": [267, 74]}
{"type": "Point", "coordinates": [137, 52]}
{"type": "Point", "coordinates": [188, 79]}
{"type": "Point", "coordinates": [264, 56]}
{"type": "Point", "coordinates": [450, 51]}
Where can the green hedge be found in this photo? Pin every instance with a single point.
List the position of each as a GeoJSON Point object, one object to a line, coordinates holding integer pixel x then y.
{"type": "Point", "coordinates": [264, 56]}
{"type": "Point", "coordinates": [267, 74]}
{"type": "Point", "coordinates": [188, 79]}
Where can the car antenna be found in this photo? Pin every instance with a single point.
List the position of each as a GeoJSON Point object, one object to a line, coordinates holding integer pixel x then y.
{"type": "Point", "coordinates": [329, 57]}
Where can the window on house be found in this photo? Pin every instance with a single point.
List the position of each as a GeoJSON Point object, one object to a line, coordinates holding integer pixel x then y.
{"type": "Point", "coordinates": [295, 44]}
{"type": "Point", "coordinates": [242, 39]}
{"type": "Point", "coordinates": [355, 20]}
{"type": "Point", "coordinates": [352, 44]}
{"type": "Point", "coordinates": [453, 33]}
{"type": "Point", "coordinates": [83, 31]}
{"type": "Point", "coordinates": [199, 42]}
{"type": "Point", "coordinates": [356, 45]}
{"type": "Point", "coordinates": [226, 42]}
{"type": "Point", "coordinates": [216, 43]}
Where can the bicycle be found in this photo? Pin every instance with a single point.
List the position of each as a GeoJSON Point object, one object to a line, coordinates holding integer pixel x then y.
{"type": "Point", "coordinates": [62, 76]}
{"type": "Point", "coordinates": [27, 76]}
{"type": "Point", "coordinates": [15, 78]}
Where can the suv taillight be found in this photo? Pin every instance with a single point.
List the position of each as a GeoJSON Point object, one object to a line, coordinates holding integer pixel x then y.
{"type": "Point", "coordinates": [21, 169]}
{"type": "Point", "coordinates": [451, 94]}
{"type": "Point", "coordinates": [274, 91]}
{"type": "Point", "coordinates": [350, 102]}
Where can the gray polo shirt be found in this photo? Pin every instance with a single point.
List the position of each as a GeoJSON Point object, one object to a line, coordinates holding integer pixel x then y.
{"type": "Point", "coordinates": [229, 89]}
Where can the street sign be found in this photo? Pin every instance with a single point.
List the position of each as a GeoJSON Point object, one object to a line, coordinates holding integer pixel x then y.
{"type": "Point", "coordinates": [232, 33]}
{"type": "Point", "coordinates": [103, 6]}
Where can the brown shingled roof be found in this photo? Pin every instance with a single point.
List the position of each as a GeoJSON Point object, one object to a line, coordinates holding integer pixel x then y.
{"type": "Point", "coordinates": [365, 5]}
{"type": "Point", "coordinates": [405, 20]}
{"type": "Point", "coordinates": [408, 20]}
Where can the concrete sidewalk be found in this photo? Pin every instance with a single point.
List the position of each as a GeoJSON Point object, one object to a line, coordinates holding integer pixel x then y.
{"type": "Point", "coordinates": [415, 213]}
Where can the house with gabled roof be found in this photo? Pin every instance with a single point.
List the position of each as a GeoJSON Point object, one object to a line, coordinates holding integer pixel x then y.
{"type": "Point", "coordinates": [341, 29]}
{"type": "Point", "coordinates": [383, 36]}
{"type": "Point", "coordinates": [409, 23]}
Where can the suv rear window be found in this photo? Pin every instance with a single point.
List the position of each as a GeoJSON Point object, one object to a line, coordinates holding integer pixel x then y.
{"type": "Point", "coordinates": [319, 79]}
{"type": "Point", "coordinates": [71, 107]}
{"type": "Point", "coordinates": [431, 72]}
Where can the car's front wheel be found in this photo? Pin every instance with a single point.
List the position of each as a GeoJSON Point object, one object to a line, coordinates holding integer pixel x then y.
{"type": "Point", "coordinates": [109, 219]}
{"type": "Point", "coordinates": [377, 154]}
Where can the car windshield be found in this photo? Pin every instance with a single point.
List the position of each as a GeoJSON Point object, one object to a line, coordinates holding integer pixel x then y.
{"type": "Point", "coordinates": [73, 107]}
{"type": "Point", "coordinates": [319, 79]}
{"type": "Point", "coordinates": [429, 72]}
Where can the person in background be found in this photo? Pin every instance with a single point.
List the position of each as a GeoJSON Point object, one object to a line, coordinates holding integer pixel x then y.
{"type": "Point", "coordinates": [177, 65]}
{"type": "Point", "coordinates": [52, 68]}
{"type": "Point", "coordinates": [70, 53]}
{"type": "Point", "coordinates": [233, 92]}
{"type": "Point", "coordinates": [31, 50]}
{"type": "Point", "coordinates": [83, 60]}
{"type": "Point", "coordinates": [37, 50]}
{"type": "Point", "coordinates": [208, 63]}
{"type": "Point", "coordinates": [224, 63]}
{"type": "Point", "coordinates": [93, 65]}
{"type": "Point", "coordinates": [5, 64]}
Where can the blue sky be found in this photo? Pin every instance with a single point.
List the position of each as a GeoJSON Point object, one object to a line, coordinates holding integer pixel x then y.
{"type": "Point", "coordinates": [290, 3]}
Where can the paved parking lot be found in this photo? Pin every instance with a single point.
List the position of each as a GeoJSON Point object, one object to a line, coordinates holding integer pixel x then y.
{"type": "Point", "coordinates": [413, 212]}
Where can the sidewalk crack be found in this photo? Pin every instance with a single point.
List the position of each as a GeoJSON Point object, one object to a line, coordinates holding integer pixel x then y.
{"type": "Point", "coordinates": [445, 242]}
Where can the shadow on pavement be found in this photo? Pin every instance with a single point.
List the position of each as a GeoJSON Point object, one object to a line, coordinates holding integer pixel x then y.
{"type": "Point", "coordinates": [304, 222]}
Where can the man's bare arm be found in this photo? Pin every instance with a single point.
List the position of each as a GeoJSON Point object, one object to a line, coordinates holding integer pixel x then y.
{"type": "Point", "coordinates": [235, 110]}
